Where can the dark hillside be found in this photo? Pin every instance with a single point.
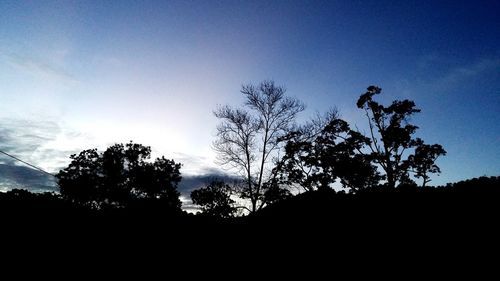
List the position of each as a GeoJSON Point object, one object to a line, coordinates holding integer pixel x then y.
{"type": "Point", "coordinates": [447, 220]}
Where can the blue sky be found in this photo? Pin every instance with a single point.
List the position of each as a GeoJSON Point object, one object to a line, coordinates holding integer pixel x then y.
{"type": "Point", "coordinates": [83, 74]}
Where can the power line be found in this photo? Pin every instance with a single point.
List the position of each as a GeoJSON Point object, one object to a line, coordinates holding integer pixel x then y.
{"type": "Point", "coordinates": [31, 165]}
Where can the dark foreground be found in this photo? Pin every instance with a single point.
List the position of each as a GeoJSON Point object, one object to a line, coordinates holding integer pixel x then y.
{"type": "Point", "coordinates": [435, 224]}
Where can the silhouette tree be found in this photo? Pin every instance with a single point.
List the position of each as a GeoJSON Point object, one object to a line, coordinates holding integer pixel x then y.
{"type": "Point", "coordinates": [247, 139]}
{"type": "Point", "coordinates": [119, 176]}
{"type": "Point", "coordinates": [324, 150]}
{"type": "Point", "coordinates": [215, 199]}
{"type": "Point", "coordinates": [423, 160]}
{"type": "Point", "coordinates": [391, 135]}
{"type": "Point", "coordinates": [274, 192]}
{"type": "Point", "coordinates": [80, 182]}
{"type": "Point", "coordinates": [327, 149]}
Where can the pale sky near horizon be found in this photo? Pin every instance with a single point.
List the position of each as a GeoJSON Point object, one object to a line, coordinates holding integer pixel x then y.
{"type": "Point", "coordinates": [83, 74]}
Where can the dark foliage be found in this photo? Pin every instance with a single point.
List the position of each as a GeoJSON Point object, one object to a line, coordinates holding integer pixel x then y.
{"type": "Point", "coordinates": [274, 192]}
{"type": "Point", "coordinates": [326, 150]}
{"type": "Point", "coordinates": [391, 136]}
{"type": "Point", "coordinates": [400, 226]}
{"type": "Point", "coordinates": [215, 199]}
{"type": "Point", "coordinates": [422, 162]}
{"type": "Point", "coordinates": [120, 176]}
{"type": "Point", "coordinates": [321, 152]}
{"type": "Point", "coordinates": [415, 210]}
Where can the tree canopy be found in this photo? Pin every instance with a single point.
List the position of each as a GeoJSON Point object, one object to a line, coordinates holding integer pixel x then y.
{"type": "Point", "coordinates": [326, 149]}
{"type": "Point", "coordinates": [392, 139]}
{"type": "Point", "coordinates": [215, 199]}
{"type": "Point", "coordinates": [319, 153]}
{"type": "Point", "coordinates": [120, 176]}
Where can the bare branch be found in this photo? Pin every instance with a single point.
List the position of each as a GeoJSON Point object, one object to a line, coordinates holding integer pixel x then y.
{"type": "Point", "coordinates": [247, 140]}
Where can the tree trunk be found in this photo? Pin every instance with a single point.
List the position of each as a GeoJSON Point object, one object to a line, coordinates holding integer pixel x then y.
{"type": "Point", "coordinates": [391, 181]}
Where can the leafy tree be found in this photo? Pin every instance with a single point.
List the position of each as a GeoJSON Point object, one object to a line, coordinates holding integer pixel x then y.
{"type": "Point", "coordinates": [423, 160]}
{"type": "Point", "coordinates": [274, 192]}
{"type": "Point", "coordinates": [80, 181]}
{"type": "Point", "coordinates": [248, 138]}
{"type": "Point", "coordinates": [118, 176]}
{"type": "Point", "coordinates": [324, 150]}
{"type": "Point", "coordinates": [327, 149]}
{"type": "Point", "coordinates": [391, 136]}
{"type": "Point", "coordinates": [215, 199]}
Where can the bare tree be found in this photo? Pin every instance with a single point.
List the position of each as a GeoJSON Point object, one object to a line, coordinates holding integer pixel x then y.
{"type": "Point", "coordinates": [248, 139]}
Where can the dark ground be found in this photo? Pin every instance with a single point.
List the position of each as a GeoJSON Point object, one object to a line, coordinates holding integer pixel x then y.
{"type": "Point", "coordinates": [411, 227]}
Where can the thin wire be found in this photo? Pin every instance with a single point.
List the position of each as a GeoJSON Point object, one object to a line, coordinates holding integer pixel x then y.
{"type": "Point", "coordinates": [31, 165]}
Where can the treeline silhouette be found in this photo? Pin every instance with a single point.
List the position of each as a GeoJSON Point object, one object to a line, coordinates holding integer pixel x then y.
{"type": "Point", "coordinates": [455, 201]}
{"type": "Point", "coordinates": [452, 202]}
{"type": "Point", "coordinates": [120, 199]}
{"type": "Point", "coordinates": [273, 156]}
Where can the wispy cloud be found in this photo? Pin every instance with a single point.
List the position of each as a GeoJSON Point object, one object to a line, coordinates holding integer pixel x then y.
{"type": "Point", "coordinates": [35, 141]}
{"type": "Point", "coordinates": [460, 74]}
{"type": "Point", "coordinates": [22, 137]}
{"type": "Point", "coordinates": [196, 165]}
{"type": "Point", "coordinates": [39, 68]}
{"type": "Point", "coordinates": [426, 61]}
{"type": "Point", "coordinates": [32, 141]}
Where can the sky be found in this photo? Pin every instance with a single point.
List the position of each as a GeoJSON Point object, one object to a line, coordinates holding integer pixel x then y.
{"type": "Point", "coordinates": [82, 74]}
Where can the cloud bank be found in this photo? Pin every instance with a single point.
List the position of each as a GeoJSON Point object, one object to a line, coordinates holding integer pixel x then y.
{"type": "Point", "coordinates": [30, 140]}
